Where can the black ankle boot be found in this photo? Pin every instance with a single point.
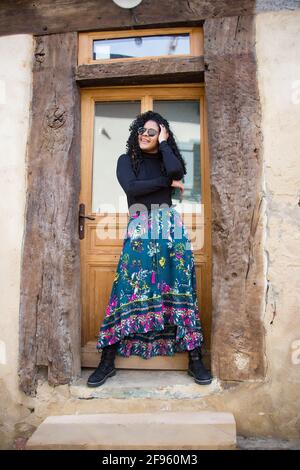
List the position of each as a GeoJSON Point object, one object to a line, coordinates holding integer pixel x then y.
{"type": "Point", "coordinates": [106, 367]}
{"type": "Point", "coordinates": [196, 369]}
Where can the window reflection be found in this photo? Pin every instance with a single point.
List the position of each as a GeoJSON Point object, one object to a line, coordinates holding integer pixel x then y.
{"type": "Point", "coordinates": [184, 119]}
{"type": "Point", "coordinates": [141, 46]}
{"type": "Point", "coordinates": [112, 120]}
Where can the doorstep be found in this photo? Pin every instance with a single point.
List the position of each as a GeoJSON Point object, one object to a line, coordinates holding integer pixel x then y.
{"type": "Point", "coordinates": [156, 384]}
{"type": "Point", "coordinates": [155, 430]}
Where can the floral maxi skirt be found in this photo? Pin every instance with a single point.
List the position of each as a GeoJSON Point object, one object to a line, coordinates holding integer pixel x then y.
{"type": "Point", "coordinates": [153, 308]}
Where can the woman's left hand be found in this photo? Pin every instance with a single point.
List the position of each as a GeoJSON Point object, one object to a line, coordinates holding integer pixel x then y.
{"type": "Point", "coordinates": [164, 134]}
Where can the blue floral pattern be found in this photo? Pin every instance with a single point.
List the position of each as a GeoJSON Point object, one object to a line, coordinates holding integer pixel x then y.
{"type": "Point", "coordinates": [153, 308]}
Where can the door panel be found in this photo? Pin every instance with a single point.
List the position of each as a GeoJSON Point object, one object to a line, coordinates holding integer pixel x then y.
{"type": "Point", "coordinates": [106, 115]}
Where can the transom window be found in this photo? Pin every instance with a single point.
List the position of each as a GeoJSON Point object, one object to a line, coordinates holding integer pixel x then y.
{"type": "Point", "coordinates": [141, 46]}
{"type": "Point", "coordinates": [108, 46]}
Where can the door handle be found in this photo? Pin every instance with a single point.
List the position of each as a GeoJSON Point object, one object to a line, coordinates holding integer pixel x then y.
{"type": "Point", "coordinates": [81, 222]}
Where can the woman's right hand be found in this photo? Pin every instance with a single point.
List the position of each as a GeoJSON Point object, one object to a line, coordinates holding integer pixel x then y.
{"type": "Point", "coordinates": [178, 184]}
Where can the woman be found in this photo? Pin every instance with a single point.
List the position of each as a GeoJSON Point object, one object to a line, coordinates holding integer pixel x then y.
{"type": "Point", "coordinates": [153, 307]}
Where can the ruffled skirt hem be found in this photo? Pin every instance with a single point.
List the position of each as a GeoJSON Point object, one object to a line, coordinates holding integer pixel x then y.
{"type": "Point", "coordinates": [136, 347]}
{"type": "Point", "coordinates": [153, 333]}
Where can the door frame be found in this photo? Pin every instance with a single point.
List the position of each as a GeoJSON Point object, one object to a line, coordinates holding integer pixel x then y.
{"type": "Point", "coordinates": [146, 94]}
{"type": "Point", "coordinates": [229, 68]}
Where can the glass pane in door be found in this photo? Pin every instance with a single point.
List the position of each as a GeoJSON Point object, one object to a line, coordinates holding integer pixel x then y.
{"type": "Point", "coordinates": [111, 131]}
{"type": "Point", "coordinates": [184, 119]}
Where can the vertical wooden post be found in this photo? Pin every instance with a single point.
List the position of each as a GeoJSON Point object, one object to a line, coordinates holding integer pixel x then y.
{"type": "Point", "coordinates": [235, 143]}
{"type": "Point", "coordinates": [50, 277]}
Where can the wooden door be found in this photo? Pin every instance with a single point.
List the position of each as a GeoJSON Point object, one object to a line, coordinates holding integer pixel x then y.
{"type": "Point", "coordinates": [106, 115]}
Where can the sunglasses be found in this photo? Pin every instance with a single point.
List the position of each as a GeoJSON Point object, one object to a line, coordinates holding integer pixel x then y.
{"type": "Point", "coordinates": [150, 132]}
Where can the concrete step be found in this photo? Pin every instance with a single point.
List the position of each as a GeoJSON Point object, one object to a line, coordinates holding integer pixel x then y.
{"type": "Point", "coordinates": [155, 430]}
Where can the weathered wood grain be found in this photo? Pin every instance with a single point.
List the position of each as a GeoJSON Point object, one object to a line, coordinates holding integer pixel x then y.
{"type": "Point", "coordinates": [57, 16]}
{"type": "Point", "coordinates": [235, 144]}
{"type": "Point", "coordinates": [161, 70]}
{"type": "Point", "coordinates": [50, 276]}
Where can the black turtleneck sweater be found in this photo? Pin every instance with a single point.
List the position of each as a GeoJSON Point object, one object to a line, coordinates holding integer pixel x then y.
{"type": "Point", "coordinates": [150, 186]}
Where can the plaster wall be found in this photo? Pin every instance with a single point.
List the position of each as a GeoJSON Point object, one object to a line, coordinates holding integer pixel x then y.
{"type": "Point", "coordinates": [16, 53]}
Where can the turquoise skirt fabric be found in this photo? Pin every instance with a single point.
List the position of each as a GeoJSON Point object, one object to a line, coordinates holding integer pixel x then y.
{"type": "Point", "coordinates": [153, 308]}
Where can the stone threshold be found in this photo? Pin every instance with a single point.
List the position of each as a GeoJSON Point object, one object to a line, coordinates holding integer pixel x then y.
{"type": "Point", "coordinates": [156, 384]}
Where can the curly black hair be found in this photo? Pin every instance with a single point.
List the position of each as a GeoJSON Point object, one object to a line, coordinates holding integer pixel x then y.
{"type": "Point", "coordinates": [132, 144]}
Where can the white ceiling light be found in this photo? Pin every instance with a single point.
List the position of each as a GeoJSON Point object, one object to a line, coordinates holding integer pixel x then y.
{"type": "Point", "coordinates": [127, 3]}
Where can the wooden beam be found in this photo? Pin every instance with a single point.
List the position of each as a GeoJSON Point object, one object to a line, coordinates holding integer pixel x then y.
{"type": "Point", "coordinates": [50, 277]}
{"type": "Point", "coordinates": [58, 16]}
{"type": "Point", "coordinates": [146, 71]}
{"type": "Point", "coordinates": [235, 143]}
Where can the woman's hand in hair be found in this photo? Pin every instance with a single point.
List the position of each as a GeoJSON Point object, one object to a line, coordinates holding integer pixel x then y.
{"type": "Point", "coordinates": [164, 134]}
{"type": "Point", "coordinates": [178, 184]}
